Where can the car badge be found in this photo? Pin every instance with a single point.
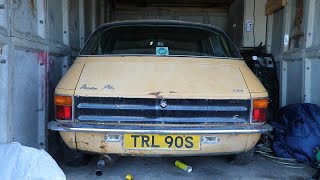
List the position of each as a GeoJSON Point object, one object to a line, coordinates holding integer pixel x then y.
{"type": "Point", "coordinates": [163, 103]}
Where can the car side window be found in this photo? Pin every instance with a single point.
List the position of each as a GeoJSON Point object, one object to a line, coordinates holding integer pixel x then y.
{"type": "Point", "coordinates": [216, 45]}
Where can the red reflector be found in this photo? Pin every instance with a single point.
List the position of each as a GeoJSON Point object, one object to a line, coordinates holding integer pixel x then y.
{"type": "Point", "coordinates": [63, 112]}
{"type": "Point", "coordinates": [259, 115]}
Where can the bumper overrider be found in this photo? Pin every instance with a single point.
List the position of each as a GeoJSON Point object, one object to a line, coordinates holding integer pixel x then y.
{"type": "Point", "coordinates": [110, 139]}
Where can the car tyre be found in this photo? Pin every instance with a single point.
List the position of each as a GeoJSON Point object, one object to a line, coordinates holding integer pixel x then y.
{"type": "Point", "coordinates": [243, 158]}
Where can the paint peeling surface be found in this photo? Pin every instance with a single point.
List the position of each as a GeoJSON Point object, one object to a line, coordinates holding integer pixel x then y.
{"type": "Point", "coordinates": [42, 57]}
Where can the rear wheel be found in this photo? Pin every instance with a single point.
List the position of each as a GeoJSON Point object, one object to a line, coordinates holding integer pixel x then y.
{"type": "Point", "coordinates": [243, 158]}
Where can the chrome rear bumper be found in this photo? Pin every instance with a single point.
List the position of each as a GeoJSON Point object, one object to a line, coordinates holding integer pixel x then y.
{"type": "Point", "coordinates": [235, 129]}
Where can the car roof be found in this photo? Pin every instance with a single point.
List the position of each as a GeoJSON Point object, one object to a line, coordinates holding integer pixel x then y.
{"type": "Point", "coordinates": [158, 22]}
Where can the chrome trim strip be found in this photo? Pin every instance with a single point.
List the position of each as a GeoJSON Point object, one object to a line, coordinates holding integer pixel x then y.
{"type": "Point", "coordinates": [168, 108]}
{"type": "Point", "coordinates": [115, 106]}
{"type": "Point", "coordinates": [235, 129]}
{"type": "Point", "coordinates": [84, 118]}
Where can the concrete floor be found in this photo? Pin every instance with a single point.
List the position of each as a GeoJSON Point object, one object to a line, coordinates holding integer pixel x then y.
{"type": "Point", "coordinates": [204, 168]}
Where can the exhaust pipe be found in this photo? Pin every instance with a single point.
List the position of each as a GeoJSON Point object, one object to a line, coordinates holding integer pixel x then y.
{"type": "Point", "coordinates": [101, 165]}
{"type": "Point", "coordinates": [103, 161]}
{"type": "Point", "coordinates": [111, 158]}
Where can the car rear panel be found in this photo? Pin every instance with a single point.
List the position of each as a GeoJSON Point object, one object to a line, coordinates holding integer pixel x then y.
{"type": "Point", "coordinates": [184, 95]}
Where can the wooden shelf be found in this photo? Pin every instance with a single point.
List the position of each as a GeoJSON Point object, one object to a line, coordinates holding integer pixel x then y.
{"type": "Point", "coordinates": [274, 5]}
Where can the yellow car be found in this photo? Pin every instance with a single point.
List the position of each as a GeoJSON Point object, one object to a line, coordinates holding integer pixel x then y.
{"type": "Point", "coordinates": [160, 88]}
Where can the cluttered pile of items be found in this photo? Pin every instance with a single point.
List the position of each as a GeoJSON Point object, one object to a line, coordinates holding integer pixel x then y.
{"type": "Point", "coordinates": [295, 140]}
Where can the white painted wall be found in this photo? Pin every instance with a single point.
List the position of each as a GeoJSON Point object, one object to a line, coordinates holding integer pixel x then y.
{"type": "Point", "coordinates": [254, 11]}
{"type": "Point", "coordinates": [4, 71]}
{"type": "Point", "coordinates": [316, 24]}
{"type": "Point", "coordinates": [3, 16]}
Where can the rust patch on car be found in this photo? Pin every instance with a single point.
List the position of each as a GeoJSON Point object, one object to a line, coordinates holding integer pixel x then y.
{"type": "Point", "coordinates": [104, 147]}
{"type": "Point", "coordinates": [86, 143]}
{"type": "Point", "coordinates": [156, 94]}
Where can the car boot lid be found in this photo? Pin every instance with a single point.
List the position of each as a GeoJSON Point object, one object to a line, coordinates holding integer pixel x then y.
{"type": "Point", "coordinates": [161, 77]}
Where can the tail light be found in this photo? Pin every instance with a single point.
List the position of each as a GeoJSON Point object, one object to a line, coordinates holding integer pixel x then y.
{"type": "Point", "coordinates": [63, 107]}
{"type": "Point", "coordinates": [259, 113]}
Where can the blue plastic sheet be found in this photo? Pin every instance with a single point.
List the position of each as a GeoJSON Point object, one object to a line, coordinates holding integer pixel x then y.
{"type": "Point", "coordinates": [297, 133]}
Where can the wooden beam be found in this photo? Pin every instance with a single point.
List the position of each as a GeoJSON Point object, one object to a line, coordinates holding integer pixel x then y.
{"type": "Point", "coordinates": [274, 5]}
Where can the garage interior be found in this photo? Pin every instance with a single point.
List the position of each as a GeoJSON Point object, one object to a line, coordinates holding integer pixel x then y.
{"type": "Point", "coordinates": [39, 40]}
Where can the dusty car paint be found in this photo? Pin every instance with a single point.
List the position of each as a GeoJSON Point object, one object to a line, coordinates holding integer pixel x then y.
{"type": "Point", "coordinates": [99, 72]}
{"type": "Point", "coordinates": [155, 77]}
{"type": "Point", "coordinates": [155, 70]}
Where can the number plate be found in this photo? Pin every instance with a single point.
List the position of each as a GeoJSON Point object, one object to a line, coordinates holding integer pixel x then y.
{"type": "Point", "coordinates": [161, 141]}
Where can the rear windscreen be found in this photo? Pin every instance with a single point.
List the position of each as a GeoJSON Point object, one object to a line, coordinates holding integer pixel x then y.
{"type": "Point", "coordinates": [159, 41]}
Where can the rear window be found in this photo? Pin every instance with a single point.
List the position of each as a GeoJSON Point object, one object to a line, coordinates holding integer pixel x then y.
{"type": "Point", "coordinates": [159, 41]}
